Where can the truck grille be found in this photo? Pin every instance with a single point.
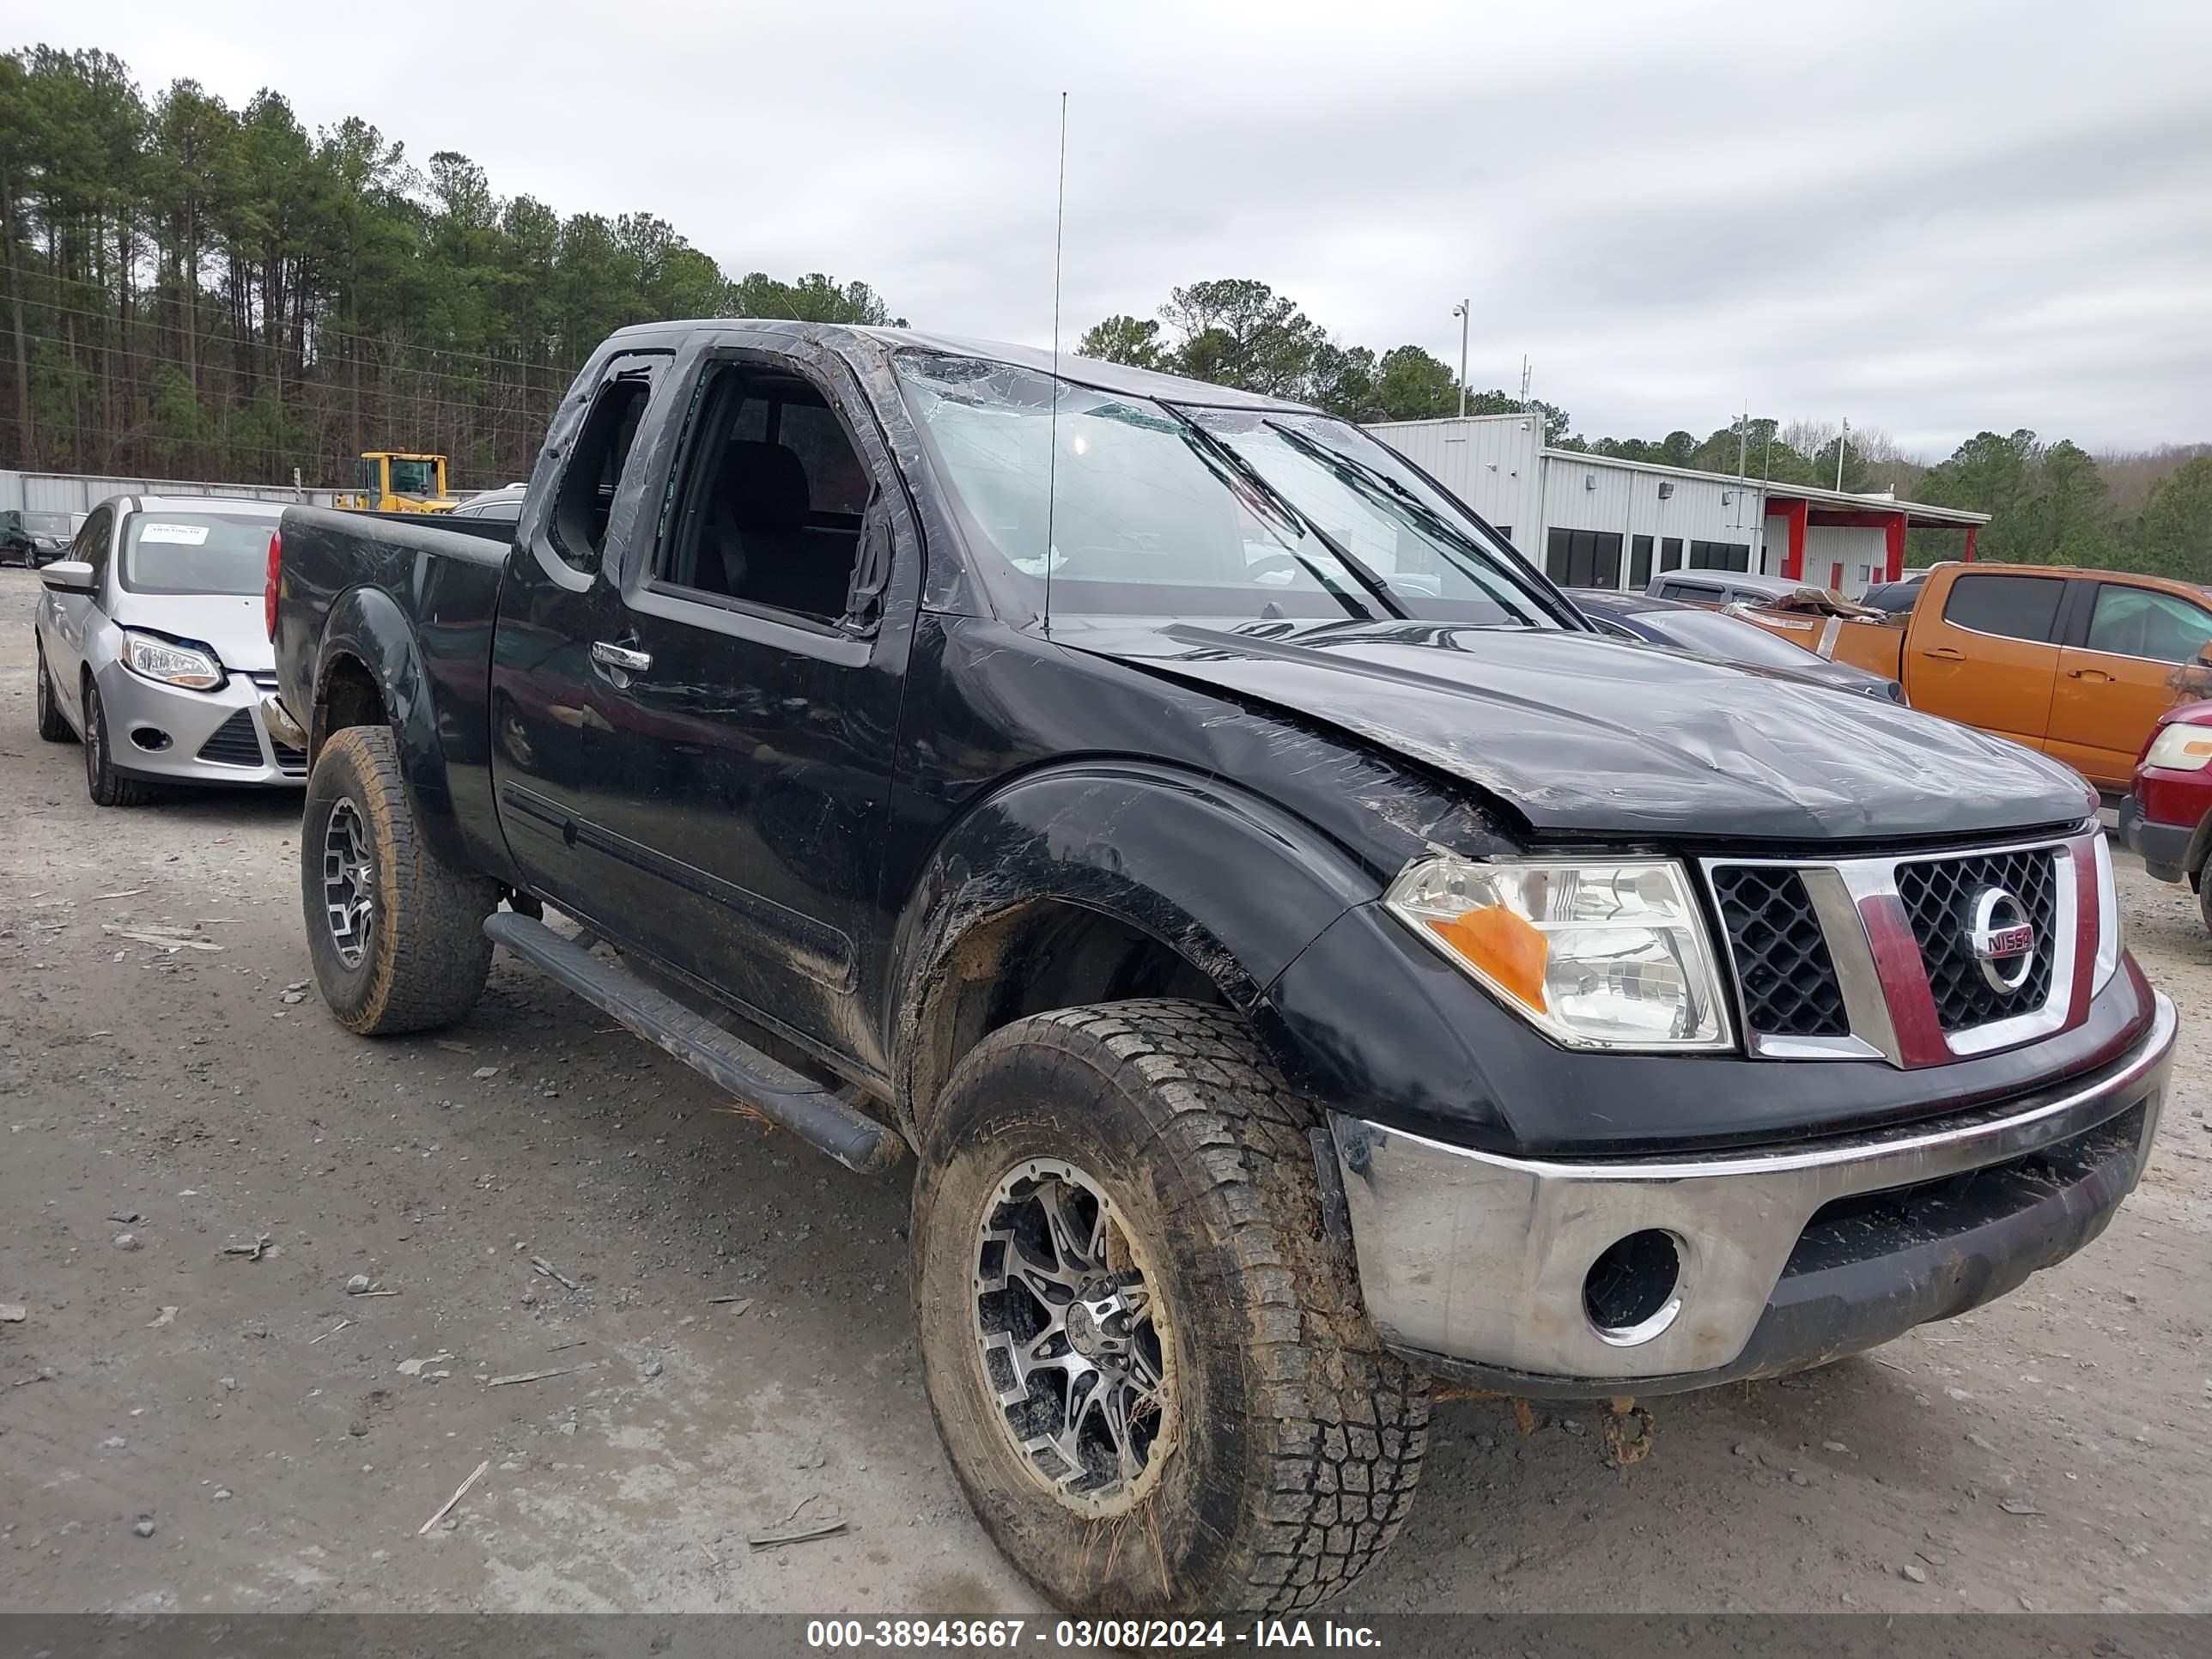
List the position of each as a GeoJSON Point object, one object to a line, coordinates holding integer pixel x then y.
{"type": "Point", "coordinates": [1939, 896]}
{"type": "Point", "coordinates": [1782, 961]}
{"type": "Point", "coordinates": [1819, 977]}
{"type": "Point", "coordinates": [235, 742]}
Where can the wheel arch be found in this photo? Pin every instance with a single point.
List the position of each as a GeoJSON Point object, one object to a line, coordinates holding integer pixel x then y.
{"type": "Point", "coordinates": [1098, 882]}
{"type": "Point", "coordinates": [369, 671]}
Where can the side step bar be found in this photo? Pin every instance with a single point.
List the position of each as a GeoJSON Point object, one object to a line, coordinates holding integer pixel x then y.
{"type": "Point", "coordinates": [811, 1110]}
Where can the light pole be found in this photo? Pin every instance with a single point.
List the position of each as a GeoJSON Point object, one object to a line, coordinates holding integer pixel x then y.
{"type": "Point", "coordinates": [1465, 312]}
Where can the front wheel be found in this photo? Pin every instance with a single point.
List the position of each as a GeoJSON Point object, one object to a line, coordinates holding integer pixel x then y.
{"type": "Point", "coordinates": [1150, 1366]}
{"type": "Point", "coordinates": [395, 933]}
{"type": "Point", "coordinates": [53, 725]}
{"type": "Point", "coordinates": [106, 786]}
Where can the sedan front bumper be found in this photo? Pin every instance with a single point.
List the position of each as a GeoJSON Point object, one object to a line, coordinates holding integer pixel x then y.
{"type": "Point", "coordinates": [1576, 1279]}
{"type": "Point", "coordinates": [173, 735]}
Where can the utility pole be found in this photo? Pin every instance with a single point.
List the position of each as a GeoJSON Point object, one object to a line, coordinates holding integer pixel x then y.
{"type": "Point", "coordinates": [1841, 442]}
{"type": "Point", "coordinates": [1465, 312]}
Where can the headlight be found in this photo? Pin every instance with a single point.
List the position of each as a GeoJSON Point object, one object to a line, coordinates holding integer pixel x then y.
{"type": "Point", "coordinates": [2181, 747]}
{"type": "Point", "coordinates": [2108, 920]}
{"type": "Point", "coordinates": [172, 665]}
{"type": "Point", "coordinates": [1596, 955]}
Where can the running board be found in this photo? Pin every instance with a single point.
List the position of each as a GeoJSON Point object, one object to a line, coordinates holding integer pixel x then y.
{"type": "Point", "coordinates": [811, 1110]}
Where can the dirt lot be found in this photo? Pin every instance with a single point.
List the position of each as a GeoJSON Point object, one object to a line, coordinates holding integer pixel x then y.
{"type": "Point", "coordinates": [285, 1439]}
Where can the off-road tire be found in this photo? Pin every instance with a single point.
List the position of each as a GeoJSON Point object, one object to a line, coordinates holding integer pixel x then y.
{"type": "Point", "coordinates": [53, 725]}
{"type": "Point", "coordinates": [426, 958]}
{"type": "Point", "coordinates": [106, 786]}
{"type": "Point", "coordinates": [1298, 1437]}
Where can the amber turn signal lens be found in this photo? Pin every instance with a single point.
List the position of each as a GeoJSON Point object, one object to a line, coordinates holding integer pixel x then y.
{"type": "Point", "coordinates": [1503, 946]}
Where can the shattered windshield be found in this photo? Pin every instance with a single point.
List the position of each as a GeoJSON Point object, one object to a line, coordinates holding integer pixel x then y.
{"type": "Point", "coordinates": [1111, 505]}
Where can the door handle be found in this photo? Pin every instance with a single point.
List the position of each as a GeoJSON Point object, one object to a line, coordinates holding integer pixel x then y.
{"type": "Point", "coordinates": [1945, 653]}
{"type": "Point", "coordinates": [622, 657]}
{"type": "Point", "coordinates": [2098, 674]}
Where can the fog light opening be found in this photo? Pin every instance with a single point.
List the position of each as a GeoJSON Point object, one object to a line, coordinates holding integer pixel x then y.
{"type": "Point", "coordinates": [1634, 1290]}
{"type": "Point", "coordinates": [151, 738]}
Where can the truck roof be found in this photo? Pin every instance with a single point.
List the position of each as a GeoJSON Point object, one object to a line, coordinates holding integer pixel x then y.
{"type": "Point", "coordinates": [1083, 371]}
{"type": "Point", "coordinates": [2144, 578]}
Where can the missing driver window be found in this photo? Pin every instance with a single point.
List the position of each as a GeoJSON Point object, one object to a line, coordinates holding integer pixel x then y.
{"type": "Point", "coordinates": [773, 500]}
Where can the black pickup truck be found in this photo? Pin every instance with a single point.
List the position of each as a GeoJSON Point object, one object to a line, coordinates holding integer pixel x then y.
{"type": "Point", "coordinates": [1303, 958]}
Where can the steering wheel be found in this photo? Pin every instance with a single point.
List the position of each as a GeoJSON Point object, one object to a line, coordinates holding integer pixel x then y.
{"type": "Point", "coordinates": [1271, 563]}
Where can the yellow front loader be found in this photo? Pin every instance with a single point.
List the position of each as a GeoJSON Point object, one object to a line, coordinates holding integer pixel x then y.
{"type": "Point", "coordinates": [385, 481]}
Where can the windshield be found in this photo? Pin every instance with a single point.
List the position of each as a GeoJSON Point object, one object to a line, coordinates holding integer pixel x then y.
{"type": "Point", "coordinates": [414, 478]}
{"type": "Point", "coordinates": [52, 524]}
{"type": "Point", "coordinates": [1137, 507]}
{"type": "Point", "coordinates": [1712, 634]}
{"type": "Point", "coordinates": [165, 551]}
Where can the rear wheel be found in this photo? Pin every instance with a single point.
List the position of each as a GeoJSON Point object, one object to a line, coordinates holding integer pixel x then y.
{"type": "Point", "coordinates": [1149, 1365]}
{"type": "Point", "coordinates": [395, 934]}
{"type": "Point", "coordinates": [106, 786]}
{"type": "Point", "coordinates": [2204, 896]}
{"type": "Point", "coordinates": [53, 725]}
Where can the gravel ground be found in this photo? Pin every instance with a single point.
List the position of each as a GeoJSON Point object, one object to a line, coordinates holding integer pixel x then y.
{"type": "Point", "coordinates": [186, 1429]}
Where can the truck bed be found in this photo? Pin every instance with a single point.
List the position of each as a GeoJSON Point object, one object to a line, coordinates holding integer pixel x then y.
{"type": "Point", "coordinates": [1878, 647]}
{"type": "Point", "coordinates": [362, 584]}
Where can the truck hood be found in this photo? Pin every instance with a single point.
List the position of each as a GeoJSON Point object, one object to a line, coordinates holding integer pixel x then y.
{"type": "Point", "coordinates": [1583, 734]}
{"type": "Point", "coordinates": [235, 624]}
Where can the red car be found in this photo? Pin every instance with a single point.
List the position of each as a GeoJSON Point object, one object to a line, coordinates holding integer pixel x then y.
{"type": "Point", "coordinates": [2167, 816]}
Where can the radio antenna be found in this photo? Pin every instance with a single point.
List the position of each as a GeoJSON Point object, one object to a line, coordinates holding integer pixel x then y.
{"type": "Point", "coordinates": [1052, 454]}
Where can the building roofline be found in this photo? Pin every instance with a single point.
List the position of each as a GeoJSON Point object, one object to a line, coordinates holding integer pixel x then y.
{"type": "Point", "coordinates": [1770, 488]}
{"type": "Point", "coordinates": [1453, 420]}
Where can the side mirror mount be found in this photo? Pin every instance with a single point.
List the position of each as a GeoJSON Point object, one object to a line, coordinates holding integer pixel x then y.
{"type": "Point", "coordinates": [68, 576]}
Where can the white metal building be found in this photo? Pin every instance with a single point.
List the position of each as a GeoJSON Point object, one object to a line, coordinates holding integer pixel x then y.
{"type": "Point", "coordinates": [1593, 522]}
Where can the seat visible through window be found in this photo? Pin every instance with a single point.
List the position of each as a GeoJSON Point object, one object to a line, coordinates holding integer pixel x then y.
{"type": "Point", "coordinates": [768, 522]}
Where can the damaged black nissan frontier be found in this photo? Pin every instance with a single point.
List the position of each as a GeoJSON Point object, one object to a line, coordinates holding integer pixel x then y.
{"type": "Point", "coordinates": [1301, 958]}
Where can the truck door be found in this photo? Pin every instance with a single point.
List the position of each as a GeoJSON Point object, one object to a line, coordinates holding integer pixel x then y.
{"type": "Point", "coordinates": [749, 679]}
{"type": "Point", "coordinates": [552, 714]}
{"type": "Point", "coordinates": [2117, 672]}
{"type": "Point", "coordinates": [1988, 654]}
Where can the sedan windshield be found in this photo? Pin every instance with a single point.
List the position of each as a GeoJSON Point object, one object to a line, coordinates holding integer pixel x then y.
{"type": "Point", "coordinates": [165, 551]}
{"type": "Point", "coordinates": [1105, 504]}
{"type": "Point", "coordinates": [1712, 634]}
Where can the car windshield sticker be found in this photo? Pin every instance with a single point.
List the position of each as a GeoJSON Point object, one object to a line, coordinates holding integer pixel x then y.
{"type": "Point", "coordinates": [185, 535]}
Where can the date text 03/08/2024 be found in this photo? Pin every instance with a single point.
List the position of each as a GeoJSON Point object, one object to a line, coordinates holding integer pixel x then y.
{"type": "Point", "coordinates": [1080, 1633]}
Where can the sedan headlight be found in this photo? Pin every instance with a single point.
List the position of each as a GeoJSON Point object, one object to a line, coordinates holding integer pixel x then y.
{"type": "Point", "coordinates": [2181, 747]}
{"type": "Point", "coordinates": [172, 665]}
{"type": "Point", "coordinates": [1607, 955]}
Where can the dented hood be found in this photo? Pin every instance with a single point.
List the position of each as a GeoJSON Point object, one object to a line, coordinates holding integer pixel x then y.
{"type": "Point", "coordinates": [1581, 733]}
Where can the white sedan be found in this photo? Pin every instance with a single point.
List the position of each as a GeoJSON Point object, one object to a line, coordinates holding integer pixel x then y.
{"type": "Point", "coordinates": [152, 649]}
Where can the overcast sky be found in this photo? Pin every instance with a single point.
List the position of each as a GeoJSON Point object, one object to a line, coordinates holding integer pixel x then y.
{"type": "Point", "coordinates": [1930, 218]}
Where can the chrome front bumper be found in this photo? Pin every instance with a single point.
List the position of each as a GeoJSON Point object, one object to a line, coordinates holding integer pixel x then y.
{"type": "Point", "coordinates": [1481, 1261]}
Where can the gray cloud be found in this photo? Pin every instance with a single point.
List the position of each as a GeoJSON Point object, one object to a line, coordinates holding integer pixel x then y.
{"type": "Point", "coordinates": [1931, 217]}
